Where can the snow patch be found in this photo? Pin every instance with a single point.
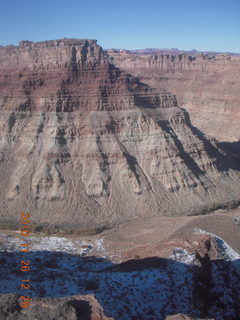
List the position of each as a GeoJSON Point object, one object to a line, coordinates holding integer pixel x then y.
{"type": "Point", "coordinates": [99, 245]}
{"type": "Point", "coordinates": [9, 243]}
{"type": "Point", "coordinates": [182, 255]}
{"type": "Point", "coordinates": [226, 251]}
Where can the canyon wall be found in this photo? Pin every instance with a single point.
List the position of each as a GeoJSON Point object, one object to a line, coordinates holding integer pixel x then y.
{"type": "Point", "coordinates": [206, 85]}
{"type": "Point", "coordinates": [85, 146]}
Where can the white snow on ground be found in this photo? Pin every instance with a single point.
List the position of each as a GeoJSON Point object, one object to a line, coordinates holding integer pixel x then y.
{"type": "Point", "coordinates": [145, 294]}
{"type": "Point", "coordinates": [11, 243]}
{"type": "Point", "coordinates": [226, 288]}
{"type": "Point", "coordinates": [226, 251]}
{"type": "Point", "coordinates": [99, 245]}
{"type": "Point", "coordinates": [62, 267]}
{"type": "Point", "coordinates": [142, 294]}
{"type": "Point", "coordinates": [182, 255]}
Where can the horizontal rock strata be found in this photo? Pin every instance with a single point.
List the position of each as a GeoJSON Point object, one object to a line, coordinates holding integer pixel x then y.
{"type": "Point", "coordinates": [84, 145]}
{"type": "Point", "coordinates": [206, 85]}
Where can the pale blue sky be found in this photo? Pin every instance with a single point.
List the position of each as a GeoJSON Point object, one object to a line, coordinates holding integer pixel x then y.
{"type": "Point", "coordinates": [203, 25]}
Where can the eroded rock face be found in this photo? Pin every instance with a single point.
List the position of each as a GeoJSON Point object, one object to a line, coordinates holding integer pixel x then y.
{"type": "Point", "coordinates": [206, 85]}
{"type": "Point", "coordinates": [69, 308]}
{"type": "Point", "coordinates": [85, 145]}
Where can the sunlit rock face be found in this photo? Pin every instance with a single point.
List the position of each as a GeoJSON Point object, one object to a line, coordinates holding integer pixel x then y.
{"type": "Point", "coordinates": [84, 145]}
{"type": "Point", "coordinates": [206, 85]}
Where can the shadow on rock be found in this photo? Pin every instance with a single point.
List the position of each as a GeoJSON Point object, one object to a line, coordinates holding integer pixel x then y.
{"type": "Point", "coordinates": [150, 289]}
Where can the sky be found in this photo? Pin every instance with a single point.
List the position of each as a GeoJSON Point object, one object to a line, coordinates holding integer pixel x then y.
{"type": "Point", "coordinates": [204, 25]}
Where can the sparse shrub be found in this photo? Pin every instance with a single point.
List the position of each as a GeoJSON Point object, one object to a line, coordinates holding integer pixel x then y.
{"type": "Point", "coordinates": [136, 256]}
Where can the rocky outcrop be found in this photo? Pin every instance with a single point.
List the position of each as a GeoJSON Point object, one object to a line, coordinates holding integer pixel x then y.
{"type": "Point", "coordinates": [69, 308]}
{"type": "Point", "coordinates": [85, 145]}
{"type": "Point", "coordinates": [206, 85]}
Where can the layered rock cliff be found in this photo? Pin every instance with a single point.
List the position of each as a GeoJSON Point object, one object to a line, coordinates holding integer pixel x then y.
{"type": "Point", "coordinates": [206, 85]}
{"type": "Point", "coordinates": [85, 145]}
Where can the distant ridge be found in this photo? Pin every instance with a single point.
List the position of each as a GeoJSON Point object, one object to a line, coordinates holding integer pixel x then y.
{"type": "Point", "coordinates": [173, 51]}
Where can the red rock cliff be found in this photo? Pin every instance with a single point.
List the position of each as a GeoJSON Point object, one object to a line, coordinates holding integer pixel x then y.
{"type": "Point", "coordinates": [84, 145]}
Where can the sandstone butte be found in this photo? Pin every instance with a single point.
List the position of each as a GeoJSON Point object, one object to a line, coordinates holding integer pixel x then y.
{"type": "Point", "coordinates": [207, 85]}
{"type": "Point", "coordinates": [85, 146]}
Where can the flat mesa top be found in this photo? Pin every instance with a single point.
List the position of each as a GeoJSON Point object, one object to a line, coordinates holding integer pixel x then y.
{"type": "Point", "coordinates": [51, 43]}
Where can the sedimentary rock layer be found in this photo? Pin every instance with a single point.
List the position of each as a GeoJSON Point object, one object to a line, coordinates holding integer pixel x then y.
{"type": "Point", "coordinates": [206, 85]}
{"type": "Point", "coordinates": [85, 145]}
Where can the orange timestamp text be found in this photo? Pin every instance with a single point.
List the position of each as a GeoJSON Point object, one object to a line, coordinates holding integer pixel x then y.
{"type": "Point", "coordinates": [25, 264]}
